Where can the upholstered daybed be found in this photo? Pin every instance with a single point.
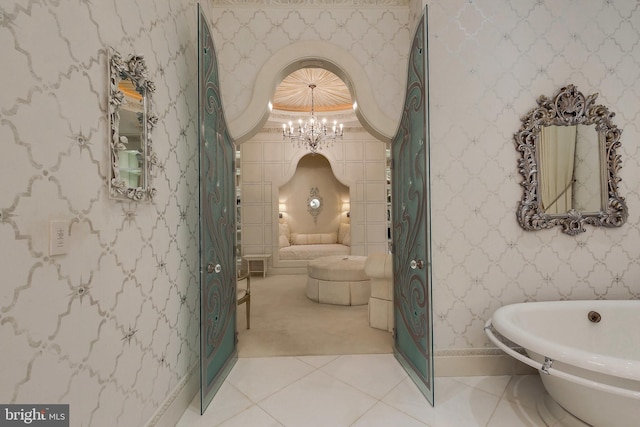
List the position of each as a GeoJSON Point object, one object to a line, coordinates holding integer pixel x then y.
{"type": "Point", "coordinates": [299, 246]}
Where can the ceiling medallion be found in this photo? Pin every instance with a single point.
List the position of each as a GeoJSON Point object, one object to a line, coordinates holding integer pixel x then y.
{"type": "Point", "coordinates": [314, 134]}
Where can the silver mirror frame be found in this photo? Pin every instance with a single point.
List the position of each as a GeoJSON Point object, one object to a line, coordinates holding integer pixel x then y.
{"type": "Point", "coordinates": [133, 68]}
{"type": "Point", "coordinates": [314, 203]}
{"type": "Point", "coordinates": [567, 108]}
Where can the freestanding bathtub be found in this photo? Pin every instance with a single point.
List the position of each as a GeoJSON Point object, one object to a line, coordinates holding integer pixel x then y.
{"type": "Point", "coordinates": [587, 353]}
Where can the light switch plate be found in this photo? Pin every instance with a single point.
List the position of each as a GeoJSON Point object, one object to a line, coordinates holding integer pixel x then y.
{"type": "Point", "coordinates": [58, 237]}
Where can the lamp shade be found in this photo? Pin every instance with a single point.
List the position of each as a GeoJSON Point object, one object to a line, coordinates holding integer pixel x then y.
{"type": "Point", "coordinates": [346, 207]}
{"type": "Point", "coordinates": [282, 207]}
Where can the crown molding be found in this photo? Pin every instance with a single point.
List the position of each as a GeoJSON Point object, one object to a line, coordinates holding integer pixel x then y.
{"type": "Point", "coordinates": [311, 3]}
{"type": "Point", "coordinates": [274, 128]}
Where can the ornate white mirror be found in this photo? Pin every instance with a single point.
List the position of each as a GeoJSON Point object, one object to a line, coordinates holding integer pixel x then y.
{"type": "Point", "coordinates": [570, 165]}
{"type": "Point", "coordinates": [131, 122]}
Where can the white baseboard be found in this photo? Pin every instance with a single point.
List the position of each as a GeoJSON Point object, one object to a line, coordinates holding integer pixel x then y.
{"type": "Point", "coordinates": [170, 412]}
{"type": "Point", "coordinates": [469, 362]}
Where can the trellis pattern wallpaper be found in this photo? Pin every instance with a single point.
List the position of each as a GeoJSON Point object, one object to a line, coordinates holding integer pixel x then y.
{"type": "Point", "coordinates": [248, 33]}
{"type": "Point", "coordinates": [489, 61]}
{"type": "Point", "coordinates": [111, 327]}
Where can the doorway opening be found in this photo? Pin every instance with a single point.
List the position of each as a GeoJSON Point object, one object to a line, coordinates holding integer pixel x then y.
{"type": "Point", "coordinates": [283, 320]}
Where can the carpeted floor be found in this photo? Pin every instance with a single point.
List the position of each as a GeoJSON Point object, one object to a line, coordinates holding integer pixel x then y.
{"type": "Point", "coordinates": [284, 322]}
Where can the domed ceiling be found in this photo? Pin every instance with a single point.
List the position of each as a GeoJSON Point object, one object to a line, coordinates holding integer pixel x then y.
{"type": "Point", "coordinates": [331, 98]}
{"type": "Point", "coordinates": [294, 94]}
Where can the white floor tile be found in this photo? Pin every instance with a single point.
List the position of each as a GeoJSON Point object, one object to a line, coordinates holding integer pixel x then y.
{"type": "Point", "coordinates": [361, 391]}
{"type": "Point", "coordinates": [512, 414]}
{"type": "Point", "coordinates": [317, 361]}
{"type": "Point", "coordinates": [191, 417]}
{"type": "Point", "coordinates": [260, 377]}
{"type": "Point", "coordinates": [374, 374]}
{"type": "Point", "coordinates": [525, 389]}
{"type": "Point", "coordinates": [227, 403]}
{"type": "Point", "coordinates": [456, 404]}
{"type": "Point", "coordinates": [383, 415]}
{"type": "Point", "coordinates": [318, 400]}
{"type": "Point", "coordinates": [252, 417]}
{"type": "Point", "coordinates": [407, 398]}
{"type": "Point", "coordinates": [495, 385]}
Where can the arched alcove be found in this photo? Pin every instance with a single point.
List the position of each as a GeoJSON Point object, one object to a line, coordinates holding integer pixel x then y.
{"type": "Point", "coordinates": [314, 214]}
{"type": "Point", "coordinates": [313, 180]}
{"type": "Point", "coordinates": [268, 162]}
{"type": "Point", "coordinates": [312, 54]}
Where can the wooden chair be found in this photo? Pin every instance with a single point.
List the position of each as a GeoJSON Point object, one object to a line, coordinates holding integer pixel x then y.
{"type": "Point", "coordinates": [244, 293]}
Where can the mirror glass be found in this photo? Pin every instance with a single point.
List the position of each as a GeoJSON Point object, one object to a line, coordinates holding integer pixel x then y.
{"type": "Point", "coordinates": [131, 122]}
{"type": "Point", "coordinates": [314, 203]}
{"type": "Point", "coordinates": [570, 174]}
{"type": "Point", "coordinates": [570, 165]}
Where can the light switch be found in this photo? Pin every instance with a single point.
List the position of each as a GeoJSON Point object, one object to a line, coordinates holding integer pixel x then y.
{"type": "Point", "coordinates": [58, 237]}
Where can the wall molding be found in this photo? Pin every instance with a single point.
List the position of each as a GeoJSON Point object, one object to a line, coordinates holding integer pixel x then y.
{"type": "Point", "coordinates": [311, 3]}
{"type": "Point", "coordinates": [171, 410]}
{"type": "Point", "coordinates": [477, 362]}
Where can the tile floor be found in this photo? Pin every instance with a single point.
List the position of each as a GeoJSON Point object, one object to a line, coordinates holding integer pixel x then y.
{"type": "Point", "coordinates": [361, 391]}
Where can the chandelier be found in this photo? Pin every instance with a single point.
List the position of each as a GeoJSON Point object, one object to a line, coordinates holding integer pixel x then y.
{"type": "Point", "coordinates": [314, 134]}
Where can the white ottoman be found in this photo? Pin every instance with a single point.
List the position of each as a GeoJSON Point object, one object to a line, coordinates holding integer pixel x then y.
{"type": "Point", "coordinates": [338, 279]}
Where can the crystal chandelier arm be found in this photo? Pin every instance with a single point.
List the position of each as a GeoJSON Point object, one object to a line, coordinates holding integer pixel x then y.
{"type": "Point", "coordinates": [312, 133]}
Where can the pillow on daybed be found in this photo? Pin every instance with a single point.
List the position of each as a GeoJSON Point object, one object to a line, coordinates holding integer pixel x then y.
{"type": "Point", "coordinates": [313, 239]}
{"type": "Point", "coordinates": [284, 238]}
{"type": "Point", "coordinates": [283, 241]}
{"type": "Point", "coordinates": [344, 235]}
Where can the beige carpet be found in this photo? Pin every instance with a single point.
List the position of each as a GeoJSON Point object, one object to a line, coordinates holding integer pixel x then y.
{"type": "Point", "coordinates": [284, 322]}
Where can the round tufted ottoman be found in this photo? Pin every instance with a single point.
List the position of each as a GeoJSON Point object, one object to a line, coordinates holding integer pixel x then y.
{"type": "Point", "coordinates": [338, 279]}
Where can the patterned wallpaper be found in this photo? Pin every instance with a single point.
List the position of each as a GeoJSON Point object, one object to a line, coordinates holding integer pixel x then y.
{"type": "Point", "coordinates": [111, 327]}
{"type": "Point", "coordinates": [248, 33]}
{"type": "Point", "coordinates": [489, 62]}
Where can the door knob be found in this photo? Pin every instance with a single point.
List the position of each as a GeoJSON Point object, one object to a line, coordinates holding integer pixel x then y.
{"type": "Point", "coordinates": [211, 268]}
{"type": "Point", "coordinates": [416, 264]}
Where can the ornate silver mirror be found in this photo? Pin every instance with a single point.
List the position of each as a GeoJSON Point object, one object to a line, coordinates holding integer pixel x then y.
{"type": "Point", "coordinates": [131, 122]}
{"type": "Point", "coordinates": [569, 164]}
{"type": "Point", "coordinates": [314, 203]}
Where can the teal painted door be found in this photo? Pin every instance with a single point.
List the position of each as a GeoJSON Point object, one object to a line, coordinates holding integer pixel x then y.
{"type": "Point", "coordinates": [413, 336]}
{"type": "Point", "coordinates": [218, 351]}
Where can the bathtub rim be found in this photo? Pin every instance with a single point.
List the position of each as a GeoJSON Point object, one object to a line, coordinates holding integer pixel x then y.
{"type": "Point", "coordinates": [502, 321]}
{"type": "Point", "coordinates": [547, 369]}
